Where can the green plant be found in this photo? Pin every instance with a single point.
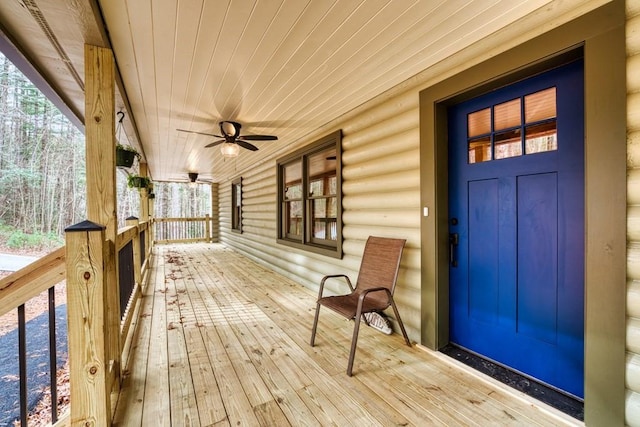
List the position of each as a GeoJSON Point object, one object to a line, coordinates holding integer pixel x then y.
{"type": "Point", "coordinates": [18, 239]}
{"type": "Point", "coordinates": [137, 181]}
{"type": "Point", "coordinates": [127, 148]}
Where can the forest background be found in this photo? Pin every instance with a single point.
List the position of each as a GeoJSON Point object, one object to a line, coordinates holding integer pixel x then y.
{"type": "Point", "coordinates": [43, 175]}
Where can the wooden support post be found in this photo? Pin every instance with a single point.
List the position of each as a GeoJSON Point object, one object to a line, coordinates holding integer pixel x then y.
{"type": "Point", "coordinates": [145, 207]}
{"type": "Point", "coordinates": [86, 318]}
{"type": "Point", "coordinates": [150, 236]}
{"type": "Point", "coordinates": [101, 181]}
{"type": "Point", "coordinates": [144, 195]}
{"type": "Point", "coordinates": [207, 228]}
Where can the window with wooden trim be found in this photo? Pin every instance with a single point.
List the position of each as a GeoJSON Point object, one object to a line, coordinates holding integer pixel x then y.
{"type": "Point", "coordinates": [310, 197]}
{"type": "Point", "coordinates": [236, 205]}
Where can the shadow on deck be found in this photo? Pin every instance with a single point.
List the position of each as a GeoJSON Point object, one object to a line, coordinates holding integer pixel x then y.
{"type": "Point", "coordinates": [221, 340]}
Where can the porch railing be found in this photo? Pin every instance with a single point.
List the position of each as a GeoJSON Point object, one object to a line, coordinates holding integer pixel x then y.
{"type": "Point", "coordinates": [182, 230]}
{"type": "Point", "coordinates": [16, 290]}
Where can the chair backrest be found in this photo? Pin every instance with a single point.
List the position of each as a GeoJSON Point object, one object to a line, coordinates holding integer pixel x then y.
{"type": "Point", "coordinates": [380, 265]}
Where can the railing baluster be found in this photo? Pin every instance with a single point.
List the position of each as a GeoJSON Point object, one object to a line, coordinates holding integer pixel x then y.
{"type": "Point", "coordinates": [22, 358]}
{"type": "Point", "coordinates": [53, 357]}
{"type": "Point", "coordinates": [183, 229]}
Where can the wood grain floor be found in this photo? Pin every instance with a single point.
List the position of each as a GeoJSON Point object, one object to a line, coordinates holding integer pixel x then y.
{"type": "Point", "coordinates": [222, 341]}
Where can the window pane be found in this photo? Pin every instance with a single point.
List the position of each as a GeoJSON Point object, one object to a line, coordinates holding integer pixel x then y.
{"type": "Point", "coordinates": [506, 115]}
{"type": "Point", "coordinates": [508, 144]}
{"type": "Point", "coordinates": [540, 105]}
{"type": "Point", "coordinates": [480, 150]}
{"type": "Point", "coordinates": [542, 137]}
{"type": "Point", "coordinates": [322, 170]}
{"type": "Point", "coordinates": [293, 181]}
{"type": "Point", "coordinates": [236, 201]}
{"type": "Point", "coordinates": [293, 218]}
{"type": "Point", "coordinates": [323, 218]}
{"type": "Point", "coordinates": [479, 123]}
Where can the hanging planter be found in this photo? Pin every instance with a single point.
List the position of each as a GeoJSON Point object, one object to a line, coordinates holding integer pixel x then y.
{"type": "Point", "coordinates": [151, 195]}
{"type": "Point", "coordinates": [125, 156]}
{"type": "Point", "coordinates": [137, 181]}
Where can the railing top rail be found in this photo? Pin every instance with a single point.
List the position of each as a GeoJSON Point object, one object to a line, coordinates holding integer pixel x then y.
{"type": "Point", "coordinates": [125, 235]}
{"type": "Point", "coordinates": [30, 281]}
{"type": "Point", "coordinates": [177, 219]}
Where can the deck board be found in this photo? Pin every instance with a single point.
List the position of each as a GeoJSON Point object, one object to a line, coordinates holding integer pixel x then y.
{"type": "Point", "coordinates": [223, 341]}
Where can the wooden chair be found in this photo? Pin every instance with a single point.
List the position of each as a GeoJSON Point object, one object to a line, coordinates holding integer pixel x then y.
{"type": "Point", "coordinates": [373, 292]}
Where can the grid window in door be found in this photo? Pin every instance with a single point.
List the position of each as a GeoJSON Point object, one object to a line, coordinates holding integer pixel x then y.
{"type": "Point", "coordinates": [524, 125]}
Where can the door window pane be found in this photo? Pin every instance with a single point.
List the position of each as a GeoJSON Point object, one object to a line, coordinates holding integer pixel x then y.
{"type": "Point", "coordinates": [479, 123]}
{"type": "Point", "coordinates": [540, 105]}
{"type": "Point", "coordinates": [508, 144]}
{"type": "Point", "coordinates": [507, 115]}
{"type": "Point", "coordinates": [480, 150]}
{"type": "Point", "coordinates": [542, 137]}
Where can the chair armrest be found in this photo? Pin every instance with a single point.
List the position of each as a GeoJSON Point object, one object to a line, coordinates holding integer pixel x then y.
{"type": "Point", "coordinates": [364, 294]}
{"type": "Point", "coordinates": [333, 276]}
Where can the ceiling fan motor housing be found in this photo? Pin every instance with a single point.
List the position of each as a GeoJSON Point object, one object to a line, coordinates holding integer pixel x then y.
{"type": "Point", "coordinates": [230, 129]}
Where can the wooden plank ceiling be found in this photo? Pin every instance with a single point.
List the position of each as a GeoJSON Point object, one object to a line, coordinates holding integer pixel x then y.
{"type": "Point", "coordinates": [279, 67]}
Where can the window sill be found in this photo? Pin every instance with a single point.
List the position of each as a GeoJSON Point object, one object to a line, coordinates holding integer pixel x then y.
{"type": "Point", "coordinates": [333, 252]}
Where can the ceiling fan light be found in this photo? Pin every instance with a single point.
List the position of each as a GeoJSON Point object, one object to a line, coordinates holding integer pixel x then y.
{"type": "Point", "coordinates": [229, 149]}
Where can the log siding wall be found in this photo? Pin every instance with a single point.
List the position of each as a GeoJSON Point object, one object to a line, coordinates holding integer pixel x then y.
{"type": "Point", "coordinates": [381, 182]}
{"type": "Point", "coordinates": [381, 191]}
{"type": "Point", "coordinates": [633, 219]}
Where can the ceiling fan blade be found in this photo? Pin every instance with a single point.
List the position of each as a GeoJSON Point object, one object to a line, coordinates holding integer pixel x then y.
{"type": "Point", "coordinates": [214, 143]}
{"type": "Point", "coordinates": [199, 133]}
{"type": "Point", "coordinates": [258, 137]}
{"type": "Point", "coordinates": [246, 145]}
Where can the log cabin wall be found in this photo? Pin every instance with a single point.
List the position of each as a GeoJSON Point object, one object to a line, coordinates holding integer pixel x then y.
{"type": "Point", "coordinates": [633, 221]}
{"type": "Point", "coordinates": [381, 180]}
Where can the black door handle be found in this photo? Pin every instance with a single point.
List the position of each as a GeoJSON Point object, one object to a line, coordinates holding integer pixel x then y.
{"type": "Point", "coordinates": [453, 242]}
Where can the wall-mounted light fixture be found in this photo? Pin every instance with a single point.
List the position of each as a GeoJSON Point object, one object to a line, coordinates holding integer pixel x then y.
{"type": "Point", "coordinates": [193, 176]}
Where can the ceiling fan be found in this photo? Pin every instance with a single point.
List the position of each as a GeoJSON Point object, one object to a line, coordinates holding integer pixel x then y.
{"type": "Point", "coordinates": [232, 139]}
{"type": "Point", "coordinates": [190, 178]}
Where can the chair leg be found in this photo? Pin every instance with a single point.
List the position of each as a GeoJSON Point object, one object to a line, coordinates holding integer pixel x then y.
{"type": "Point", "coordinates": [404, 332]}
{"type": "Point", "coordinates": [354, 341]}
{"type": "Point", "coordinates": [315, 325]}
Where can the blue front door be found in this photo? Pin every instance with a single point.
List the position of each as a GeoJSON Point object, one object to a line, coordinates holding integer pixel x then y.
{"type": "Point", "coordinates": [516, 191]}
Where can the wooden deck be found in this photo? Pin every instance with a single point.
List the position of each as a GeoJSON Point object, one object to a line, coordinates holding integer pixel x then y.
{"type": "Point", "coordinates": [222, 341]}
